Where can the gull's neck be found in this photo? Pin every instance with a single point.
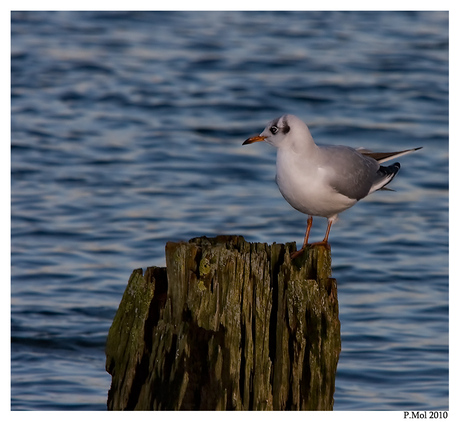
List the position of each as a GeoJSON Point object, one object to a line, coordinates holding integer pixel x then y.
{"type": "Point", "coordinates": [299, 143]}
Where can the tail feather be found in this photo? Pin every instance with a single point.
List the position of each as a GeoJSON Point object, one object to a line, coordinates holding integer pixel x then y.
{"type": "Point", "coordinates": [381, 157]}
{"type": "Point", "coordinates": [386, 175]}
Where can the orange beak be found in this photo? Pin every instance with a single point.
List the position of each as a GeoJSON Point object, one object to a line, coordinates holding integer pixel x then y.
{"type": "Point", "coordinates": [257, 138]}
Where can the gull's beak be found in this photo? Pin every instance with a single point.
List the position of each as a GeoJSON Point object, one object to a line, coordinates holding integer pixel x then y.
{"type": "Point", "coordinates": [257, 138]}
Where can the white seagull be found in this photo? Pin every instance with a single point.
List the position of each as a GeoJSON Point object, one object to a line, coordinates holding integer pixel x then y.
{"type": "Point", "coordinates": [323, 180]}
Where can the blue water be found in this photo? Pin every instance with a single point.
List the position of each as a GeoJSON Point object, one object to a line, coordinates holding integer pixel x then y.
{"type": "Point", "coordinates": [127, 132]}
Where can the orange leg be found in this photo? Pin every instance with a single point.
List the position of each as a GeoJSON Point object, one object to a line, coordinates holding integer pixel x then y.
{"type": "Point", "coordinates": [307, 232]}
{"type": "Point", "coordinates": [324, 242]}
{"type": "Point", "coordinates": [305, 240]}
{"type": "Point", "coordinates": [326, 236]}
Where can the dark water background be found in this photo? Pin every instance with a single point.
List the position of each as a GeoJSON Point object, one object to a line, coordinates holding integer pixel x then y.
{"type": "Point", "coordinates": [127, 132]}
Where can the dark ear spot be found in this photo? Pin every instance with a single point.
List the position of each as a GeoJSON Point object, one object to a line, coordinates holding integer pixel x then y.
{"type": "Point", "coordinates": [285, 126]}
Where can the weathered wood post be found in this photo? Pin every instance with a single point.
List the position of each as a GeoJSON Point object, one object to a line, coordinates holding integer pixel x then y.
{"type": "Point", "coordinates": [227, 325]}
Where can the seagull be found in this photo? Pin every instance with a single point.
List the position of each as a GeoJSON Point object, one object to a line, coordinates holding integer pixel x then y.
{"type": "Point", "coordinates": [323, 180]}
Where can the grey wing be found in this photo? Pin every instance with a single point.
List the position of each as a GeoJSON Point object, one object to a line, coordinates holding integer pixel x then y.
{"type": "Point", "coordinates": [349, 172]}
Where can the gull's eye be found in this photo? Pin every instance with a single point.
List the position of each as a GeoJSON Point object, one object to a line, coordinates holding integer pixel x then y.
{"type": "Point", "coordinates": [274, 130]}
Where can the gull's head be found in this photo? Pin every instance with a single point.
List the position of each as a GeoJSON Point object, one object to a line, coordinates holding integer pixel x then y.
{"type": "Point", "coordinates": [280, 131]}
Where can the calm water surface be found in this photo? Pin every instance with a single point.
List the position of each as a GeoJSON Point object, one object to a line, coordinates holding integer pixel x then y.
{"type": "Point", "coordinates": [127, 132]}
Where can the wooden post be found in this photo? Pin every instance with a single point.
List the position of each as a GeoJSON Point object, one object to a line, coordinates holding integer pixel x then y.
{"type": "Point", "coordinates": [227, 325]}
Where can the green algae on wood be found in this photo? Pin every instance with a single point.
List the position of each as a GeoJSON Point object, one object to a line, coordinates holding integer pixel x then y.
{"type": "Point", "coordinates": [227, 325]}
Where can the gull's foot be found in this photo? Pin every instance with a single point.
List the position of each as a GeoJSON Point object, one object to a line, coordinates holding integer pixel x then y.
{"type": "Point", "coordinates": [297, 253]}
{"type": "Point", "coordinates": [322, 243]}
{"type": "Point", "coordinates": [300, 251]}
